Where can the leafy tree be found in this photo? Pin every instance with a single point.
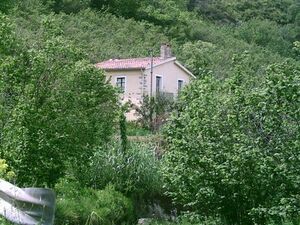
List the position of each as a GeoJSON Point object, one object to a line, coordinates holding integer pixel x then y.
{"type": "Point", "coordinates": [216, 10]}
{"type": "Point", "coordinates": [234, 146]}
{"type": "Point", "coordinates": [154, 111]}
{"type": "Point", "coordinates": [59, 107]}
{"type": "Point", "coordinates": [267, 34]}
{"type": "Point", "coordinates": [197, 55]}
{"type": "Point", "coordinates": [5, 5]}
{"type": "Point", "coordinates": [275, 10]}
{"type": "Point", "coordinates": [123, 8]}
{"type": "Point", "coordinates": [69, 6]}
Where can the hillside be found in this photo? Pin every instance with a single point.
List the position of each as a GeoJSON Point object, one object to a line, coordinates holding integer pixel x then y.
{"type": "Point", "coordinates": [224, 151]}
{"type": "Point", "coordinates": [205, 35]}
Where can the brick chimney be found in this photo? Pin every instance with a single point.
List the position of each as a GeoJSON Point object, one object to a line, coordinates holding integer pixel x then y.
{"type": "Point", "coordinates": [165, 51]}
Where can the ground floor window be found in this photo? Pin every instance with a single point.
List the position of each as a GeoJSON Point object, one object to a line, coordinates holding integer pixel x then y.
{"type": "Point", "coordinates": [158, 84]}
{"type": "Point", "coordinates": [121, 82]}
{"type": "Point", "coordinates": [179, 85]}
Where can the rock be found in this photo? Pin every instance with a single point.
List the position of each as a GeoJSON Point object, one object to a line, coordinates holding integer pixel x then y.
{"type": "Point", "coordinates": [144, 221]}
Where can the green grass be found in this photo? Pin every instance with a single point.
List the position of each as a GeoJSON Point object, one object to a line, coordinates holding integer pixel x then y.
{"type": "Point", "coordinates": [4, 222]}
{"type": "Point", "coordinates": [217, 222]}
{"type": "Point", "coordinates": [134, 129]}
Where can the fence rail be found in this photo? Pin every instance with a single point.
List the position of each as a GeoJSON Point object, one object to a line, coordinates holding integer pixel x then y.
{"type": "Point", "coordinates": [27, 206]}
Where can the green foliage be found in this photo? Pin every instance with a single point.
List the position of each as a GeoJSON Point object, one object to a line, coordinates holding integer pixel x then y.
{"type": "Point", "coordinates": [198, 55]}
{"type": "Point", "coordinates": [4, 172]}
{"type": "Point", "coordinates": [231, 11]}
{"type": "Point", "coordinates": [146, 112]}
{"type": "Point", "coordinates": [99, 35]}
{"type": "Point", "coordinates": [135, 129]}
{"type": "Point", "coordinates": [93, 31]}
{"type": "Point", "coordinates": [134, 173]}
{"type": "Point", "coordinates": [123, 132]}
{"type": "Point", "coordinates": [233, 146]}
{"type": "Point", "coordinates": [57, 108]}
{"type": "Point", "coordinates": [154, 111]}
{"type": "Point", "coordinates": [104, 36]}
{"type": "Point", "coordinates": [77, 205]}
{"type": "Point", "coordinates": [276, 10]}
{"type": "Point", "coordinates": [4, 222]}
{"type": "Point", "coordinates": [69, 6]}
{"type": "Point", "coordinates": [296, 48]}
{"type": "Point", "coordinates": [187, 222]}
{"type": "Point", "coordinates": [215, 222]}
{"type": "Point", "coordinates": [217, 10]}
{"type": "Point", "coordinates": [122, 8]}
{"type": "Point", "coordinates": [6, 33]}
{"type": "Point", "coordinates": [267, 34]}
{"type": "Point", "coordinates": [6, 5]}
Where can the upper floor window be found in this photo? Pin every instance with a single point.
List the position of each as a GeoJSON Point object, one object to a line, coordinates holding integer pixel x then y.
{"type": "Point", "coordinates": [179, 85]}
{"type": "Point", "coordinates": [158, 84]}
{"type": "Point", "coordinates": [121, 82]}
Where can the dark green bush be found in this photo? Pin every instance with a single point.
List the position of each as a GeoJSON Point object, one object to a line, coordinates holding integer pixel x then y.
{"type": "Point", "coordinates": [77, 205]}
{"type": "Point", "coordinates": [234, 146]}
{"type": "Point", "coordinates": [54, 105]}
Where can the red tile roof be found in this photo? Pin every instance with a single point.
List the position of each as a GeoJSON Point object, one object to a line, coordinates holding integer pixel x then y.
{"type": "Point", "coordinates": [133, 63]}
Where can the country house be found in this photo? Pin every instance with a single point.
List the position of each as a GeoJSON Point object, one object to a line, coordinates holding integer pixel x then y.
{"type": "Point", "coordinates": [137, 77]}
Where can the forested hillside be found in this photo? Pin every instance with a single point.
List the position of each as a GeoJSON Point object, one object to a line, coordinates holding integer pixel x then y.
{"type": "Point", "coordinates": [204, 34]}
{"type": "Point", "coordinates": [230, 148]}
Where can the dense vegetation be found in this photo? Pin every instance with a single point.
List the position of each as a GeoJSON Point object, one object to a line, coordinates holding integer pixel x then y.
{"type": "Point", "coordinates": [236, 148]}
{"type": "Point", "coordinates": [232, 151]}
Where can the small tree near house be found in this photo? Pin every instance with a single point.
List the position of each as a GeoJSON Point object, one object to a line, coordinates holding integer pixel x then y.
{"type": "Point", "coordinates": [154, 111]}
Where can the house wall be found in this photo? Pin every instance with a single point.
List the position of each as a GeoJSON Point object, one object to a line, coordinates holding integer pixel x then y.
{"type": "Point", "coordinates": [133, 88]}
{"type": "Point", "coordinates": [138, 82]}
{"type": "Point", "coordinates": [170, 73]}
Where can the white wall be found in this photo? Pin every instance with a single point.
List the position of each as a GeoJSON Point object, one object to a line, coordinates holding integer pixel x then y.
{"type": "Point", "coordinates": [170, 73]}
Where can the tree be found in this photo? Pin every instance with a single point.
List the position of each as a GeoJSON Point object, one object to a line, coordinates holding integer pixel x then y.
{"type": "Point", "coordinates": [127, 8]}
{"type": "Point", "coordinates": [234, 146]}
{"type": "Point", "coordinates": [58, 107]}
{"type": "Point", "coordinates": [5, 5]}
{"type": "Point", "coordinates": [154, 111]}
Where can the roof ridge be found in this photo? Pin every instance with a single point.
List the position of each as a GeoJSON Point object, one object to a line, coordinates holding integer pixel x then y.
{"type": "Point", "coordinates": [130, 63]}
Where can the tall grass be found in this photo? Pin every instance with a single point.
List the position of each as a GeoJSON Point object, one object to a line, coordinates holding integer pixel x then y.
{"type": "Point", "coordinates": [78, 206]}
{"type": "Point", "coordinates": [135, 172]}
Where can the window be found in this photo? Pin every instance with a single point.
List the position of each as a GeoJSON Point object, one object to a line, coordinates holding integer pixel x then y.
{"type": "Point", "coordinates": [179, 85]}
{"type": "Point", "coordinates": [121, 81]}
{"type": "Point", "coordinates": [158, 84]}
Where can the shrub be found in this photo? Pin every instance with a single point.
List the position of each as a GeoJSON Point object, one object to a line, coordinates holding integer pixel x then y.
{"type": "Point", "coordinates": [136, 172]}
{"type": "Point", "coordinates": [4, 222]}
{"type": "Point", "coordinates": [154, 111]}
{"type": "Point", "coordinates": [54, 107]}
{"type": "Point", "coordinates": [77, 205]}
{"type": "Point", "coordinates": [5, 173]}
{"type": "Point", "coordinates": [135, 129]}
{"type": "Point", "coordinates": [234, 146]}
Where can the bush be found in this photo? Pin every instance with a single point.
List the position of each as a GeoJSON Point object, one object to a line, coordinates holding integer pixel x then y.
{"type": "Point", "coordinates": [135, 129]}
{"type": "Point", "coordinates": [77, 205]}
{"type": "Point", "coordinates": [5, 173]}
{"type": "Point", "coordinates": [134, 172]}
{"type": "Point", "coordinates": [234, 146]}
{"type": "Point", "coordinates": [4, 222]}
{"type": "Point", "coordinates": [54, 107]}
{"type": "Point", "coordinates": [154, 111]}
